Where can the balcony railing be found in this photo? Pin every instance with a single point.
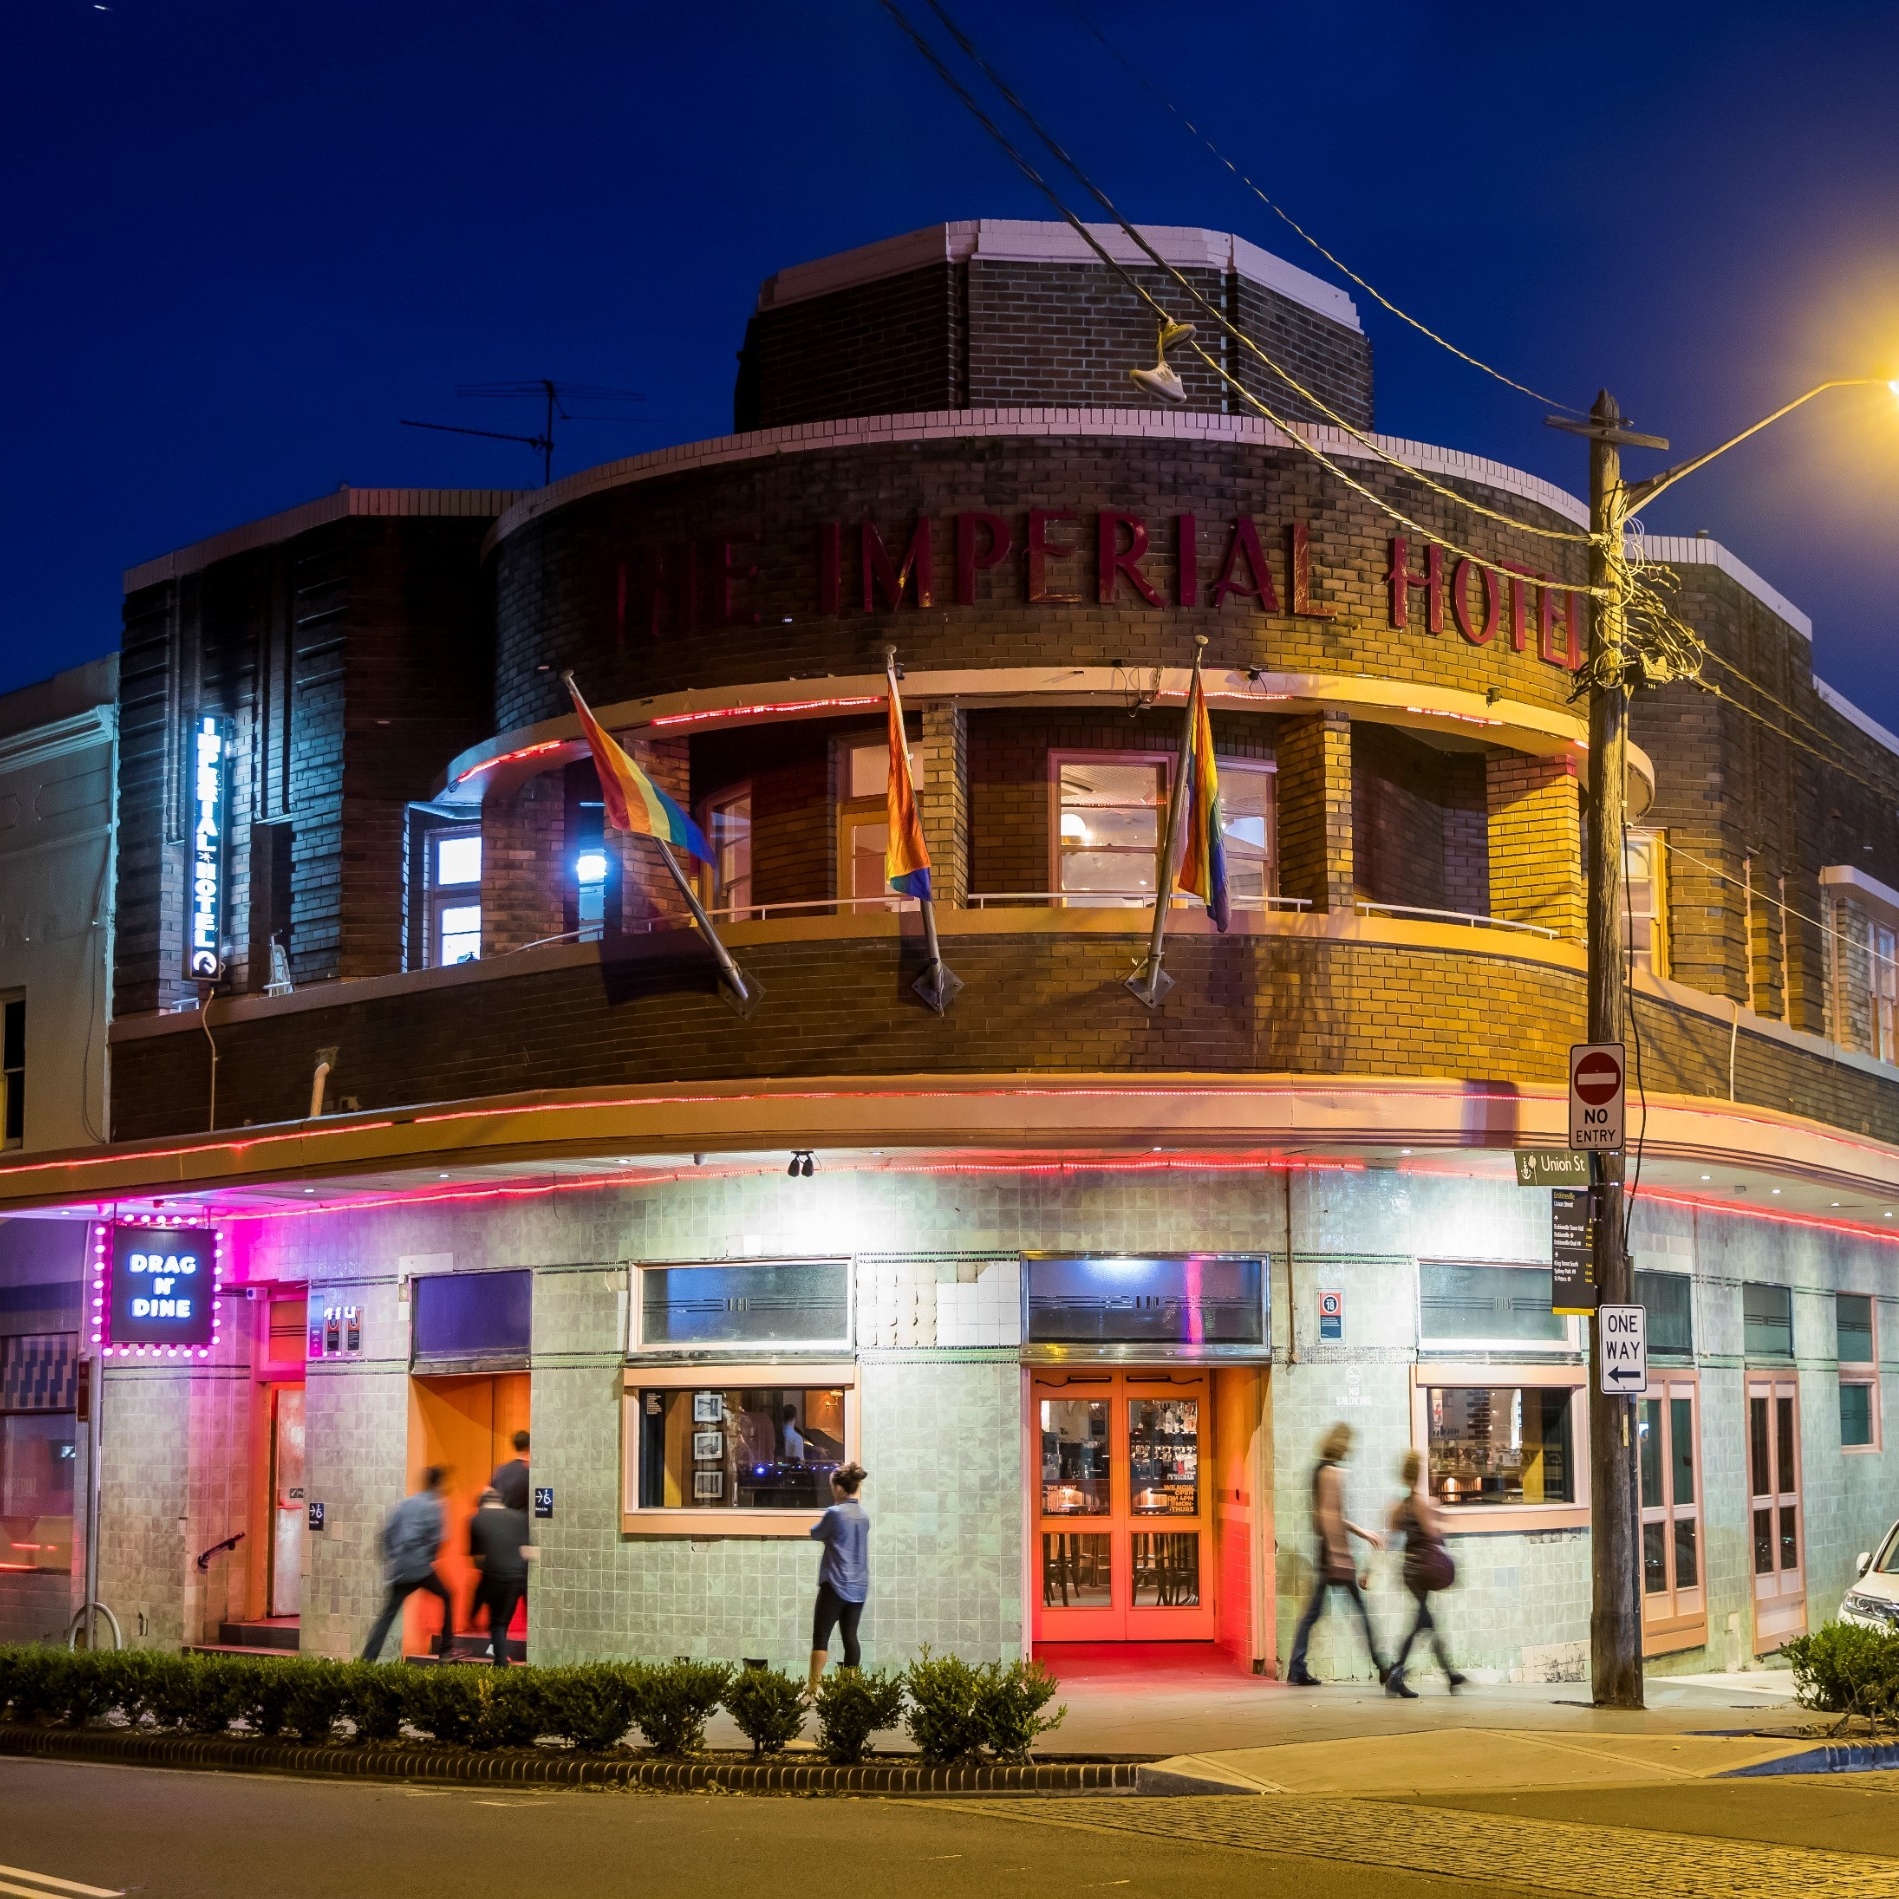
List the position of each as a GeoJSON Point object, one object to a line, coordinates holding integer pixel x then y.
{"type": "Point", "coordinates": [1469, 918]}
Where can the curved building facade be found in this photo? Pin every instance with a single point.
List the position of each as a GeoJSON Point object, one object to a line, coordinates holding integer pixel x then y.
{"type": "Point", "coordinates": [483, 1143]}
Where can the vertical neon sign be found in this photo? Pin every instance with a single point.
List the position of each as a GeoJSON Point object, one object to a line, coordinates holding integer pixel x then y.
{"type": "Point", "coordinates": [204, 914]}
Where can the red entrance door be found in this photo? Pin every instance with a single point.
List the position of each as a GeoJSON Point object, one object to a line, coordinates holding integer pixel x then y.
{"type": "Point", "coordinates": [1123, 1511]}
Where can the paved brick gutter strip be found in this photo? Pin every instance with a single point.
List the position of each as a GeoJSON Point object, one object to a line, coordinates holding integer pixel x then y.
{"type": "Point", "coordinates": [482, 1767]}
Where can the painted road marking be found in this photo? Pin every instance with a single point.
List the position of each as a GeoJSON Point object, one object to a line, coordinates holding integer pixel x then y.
{"type": "Point", "coordinates": [1486, 1848]}
{"type": "Point", "coordinates": [45, 1883]}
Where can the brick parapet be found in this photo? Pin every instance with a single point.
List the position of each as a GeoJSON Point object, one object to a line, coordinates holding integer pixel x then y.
{"type": "Point", "coordinates": [1534, 812]}
{"type": "Point", "coordinates": [1315, 810]}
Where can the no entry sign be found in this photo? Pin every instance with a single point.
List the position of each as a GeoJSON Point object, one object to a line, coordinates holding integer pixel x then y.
{"type": "Point", "coordinates": [1596, 1077]}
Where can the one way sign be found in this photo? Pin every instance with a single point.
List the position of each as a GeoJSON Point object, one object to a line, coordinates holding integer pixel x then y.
{"type": "Point", "coordinates": [1622, 1350]}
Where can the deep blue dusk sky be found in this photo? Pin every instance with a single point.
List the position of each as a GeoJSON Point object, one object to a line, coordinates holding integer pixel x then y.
{"type": "Point", "coordinates": [241, 240]}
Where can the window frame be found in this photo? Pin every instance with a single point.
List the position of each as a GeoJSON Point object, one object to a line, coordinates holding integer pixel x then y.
{"type": "Point", "coordinates": [716, 894]}
{"type": "Point", "coordinates": [1511, 1519]}
{"type": "Point", "coordinates": [1862, 1374]}
{"type": "Point", "coordinates": [1529, 1349]}
{"type": "Point", "coordinates": [788, 1353]}
{"type": "Point", "coordinates": [836, 1374]}
{"type": "Point", "coordinates": [439, 898]}
{"type": "Point", "coordinates": [1768, 1359]}
{"type": "Point", "coordinates": [1655, 959]}
{"type": "Point", "coordinates": [13, 1074]}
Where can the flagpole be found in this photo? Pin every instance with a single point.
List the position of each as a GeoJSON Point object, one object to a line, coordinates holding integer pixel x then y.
{"type": "Point", "coordinates": [743, 990]}
{"type": "Point", "coordinates": [939, 984]}
{"type": "Point", "coordinates": [1150, 982]}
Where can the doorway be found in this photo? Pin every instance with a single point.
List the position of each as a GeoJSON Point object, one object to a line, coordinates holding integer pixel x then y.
{"type": "Point", "coordinates": [1674, 1588]}
{"type": "Point", "coordinates": [467, 1424]}
{"type": "Point", "coordinates": [288, 1512]}
{"type": "Point", "coordinates": [1123, 1505]}
{"type": "Point", "coordinates": [1773, 1465]}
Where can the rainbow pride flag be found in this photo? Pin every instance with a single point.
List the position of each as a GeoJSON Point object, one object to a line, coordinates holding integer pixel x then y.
{"type": "Point", "coordinates": [906, 856]}
{"type": "Point", "coordinates": [633, 802]}
{"type": "Point", "coordinates": [1202, 871]}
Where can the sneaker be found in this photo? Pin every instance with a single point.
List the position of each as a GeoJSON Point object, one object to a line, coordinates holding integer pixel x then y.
{"type": "Point", "coordinates": [1395, 1684]}
{"type": "Point", "coordinates": [1304, 1679]}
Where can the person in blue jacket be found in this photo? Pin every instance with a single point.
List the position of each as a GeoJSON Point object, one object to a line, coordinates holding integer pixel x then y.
{"type": "Point", "coordinates": [844, 1574]}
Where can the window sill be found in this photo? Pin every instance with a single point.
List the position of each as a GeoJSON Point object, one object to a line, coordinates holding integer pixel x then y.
{"type": "Point", "coordinates": [703, 1526]}
{"type": "Point", "coordinates": [1511, 1519]}
{"type": "Point", "coordinates": [1860, 1450]}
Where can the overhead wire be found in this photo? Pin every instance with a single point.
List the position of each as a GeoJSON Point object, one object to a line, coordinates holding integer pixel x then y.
{"type": "Point", "coordinates": [1285, 217]}
{"type": "Point", "coordinates": [1287, 428]}
{"type": "Point", "coordinates": [1213, 311]}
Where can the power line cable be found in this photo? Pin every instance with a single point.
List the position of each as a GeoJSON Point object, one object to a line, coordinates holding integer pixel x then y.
{"type": "Point", "coordinates": [1214, 312]}
{"type": "Point", "coordinates": [1285, 217]}
{"type": "Point", "coordinates": [1285, 427]}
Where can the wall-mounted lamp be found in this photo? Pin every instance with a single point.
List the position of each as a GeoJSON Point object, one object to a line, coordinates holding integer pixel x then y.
{"type": "Point", "coordinates": [801, 1167]}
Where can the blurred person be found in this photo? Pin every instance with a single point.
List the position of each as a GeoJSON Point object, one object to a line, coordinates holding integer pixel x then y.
{"type": "Point", "coordinates": [844, 1573]}
{"type": "Point", "coordinates": [1428, 1568]}
{"type": "Point", "coordinates": [411, 1540]}
{"type": "Point", "coordinates": [498, 1547]}
{"type": "Point", "coordinates": [511, 1478]}
{"type": "Point", "coordinates": [1334, 1567]}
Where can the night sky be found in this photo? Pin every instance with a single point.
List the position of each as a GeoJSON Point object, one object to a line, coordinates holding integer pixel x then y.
{"type": "Point", "coordinates": [241, 242]}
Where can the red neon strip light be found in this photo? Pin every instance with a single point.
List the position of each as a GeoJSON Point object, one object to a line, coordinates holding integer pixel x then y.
{"type": "Point", "coordinates": [1811, 1221]}
{"type": "Point", "coordinates": [763, 711]}
{"type": "Point", "coordinates": [510, 758]}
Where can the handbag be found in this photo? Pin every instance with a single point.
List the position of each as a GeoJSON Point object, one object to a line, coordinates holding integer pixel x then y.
{"type": "Point", "coordinates": [1428, 1565]}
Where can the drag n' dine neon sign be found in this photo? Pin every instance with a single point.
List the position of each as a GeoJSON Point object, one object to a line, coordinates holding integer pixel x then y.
{"type": "Point", "coordinates": [204, 902]}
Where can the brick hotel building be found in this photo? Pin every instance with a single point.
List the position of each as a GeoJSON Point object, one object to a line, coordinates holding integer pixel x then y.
{"type": "Point", "coordinates": [481, 1144]}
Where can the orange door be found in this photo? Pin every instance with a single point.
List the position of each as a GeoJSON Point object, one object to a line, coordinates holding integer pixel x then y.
{"type": "Point", "coordinates": [1123, 1509]}
{"type": "Point", "coordinates": [465, 1423]}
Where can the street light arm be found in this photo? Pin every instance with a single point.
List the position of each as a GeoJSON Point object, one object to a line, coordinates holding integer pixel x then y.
{"type": "Point", "coordinates": [1638, 494]}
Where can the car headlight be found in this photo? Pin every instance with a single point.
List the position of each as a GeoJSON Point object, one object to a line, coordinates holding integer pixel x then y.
{"type": "Point", "coordinates": [1874, 1608]}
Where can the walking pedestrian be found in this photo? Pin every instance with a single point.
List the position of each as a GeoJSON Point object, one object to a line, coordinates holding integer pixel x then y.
{"type": "Point", "coordinates": [410, 1540]}
{"type": "Point", "coordinates": [1335, 1568]}
{"type": "Point", "coordinates": [511, 1478]}
{"type": "Point", "coordinates": [498, 1546]}
{"type": "Point", "coordinates": [1428, 1567]}
{"type": "Point", "coordinates": [844, 1574]}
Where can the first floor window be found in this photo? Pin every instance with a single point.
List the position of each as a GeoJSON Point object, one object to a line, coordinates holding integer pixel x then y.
{"type": "Point", "coordinates": [1501, 1444]}
{"type": "Point", "coordinates": [1859, 1371]}
{"type": "Point", "coordinates": [727, 820]}
{"type": "Point", "coordinates": [13, 1071]}
{"type": "Point", "coordinates": [454, 896]}
{"type": "Point", "coordinates": [765, 1302]}
{"type": "Point", "coordinates": [1475, 1306]}
{"type": "Point", "coordinates": [1885, 987]}
{"type": "Point", "coordinates": [1113, 806]}
{"type": "Point", "coordinates": [1767, 1321]}
{"type": "Point", "coordinates": [1644, 870]}
{"type": "Point", "coordinates": [1668, 1300]}
{"type": "Point", "coordinates": [752, 1447]}
{"type": "Point", "coordinates": [38, 1450]}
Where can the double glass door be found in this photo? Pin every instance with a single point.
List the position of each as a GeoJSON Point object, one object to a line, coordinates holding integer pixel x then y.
{"type": "Point", "coordinates": [1124, 1518]}
{"type": "Point", "coordinates": [1674, 1591]}
{"type": "Point", "coordinates": [1774, 1506]}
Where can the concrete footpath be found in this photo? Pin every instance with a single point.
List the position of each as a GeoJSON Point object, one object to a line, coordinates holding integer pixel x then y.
{"type": "Point", "coordinates": [1213, 1724]}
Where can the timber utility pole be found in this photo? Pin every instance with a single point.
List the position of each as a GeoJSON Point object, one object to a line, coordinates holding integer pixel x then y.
{"type": "Point", "coordinates": [1615, 1619]}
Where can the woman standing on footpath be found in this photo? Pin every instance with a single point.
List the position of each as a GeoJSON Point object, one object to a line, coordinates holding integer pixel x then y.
{"type": "Point", "coordinates": [1428, 1567]}
{"type": "Point", "coordinates": [844, 1574]}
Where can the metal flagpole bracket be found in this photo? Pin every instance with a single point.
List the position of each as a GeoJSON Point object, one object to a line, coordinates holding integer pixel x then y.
{"type": "Point", "coordinates": [939, 985]}
{"type": "Point", "coordinates": [1150, 983]}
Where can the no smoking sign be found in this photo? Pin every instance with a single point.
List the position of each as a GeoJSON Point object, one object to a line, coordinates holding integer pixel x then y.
{"type": "Point", "coordinates": [1596, 1086]}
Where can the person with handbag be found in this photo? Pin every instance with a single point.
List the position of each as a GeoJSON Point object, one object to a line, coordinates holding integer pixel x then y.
{"type": "Point", "coordinates": [1428, 1568]}
{"type": "Point", "coordinates": [1335, 1568]}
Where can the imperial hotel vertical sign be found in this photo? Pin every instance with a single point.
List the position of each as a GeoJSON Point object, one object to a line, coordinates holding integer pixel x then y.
{"type": "Point", "coordinates": [204, 921]}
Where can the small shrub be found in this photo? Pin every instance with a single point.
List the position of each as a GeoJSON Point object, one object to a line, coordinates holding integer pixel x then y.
{"type": "Point", "coordinates": [518, 1710]}
{"type": "Point", "coordinates": [446, 1703]}
{"type": "Point", "coordinates": [672, 1702]}
{"type": "Point", "coordinates": [1010, 1697]}
{"type": "Point", "coordinates": [36, 1689]}
{"type": "Point", "coordinates": [317, 1698]}
{"type": "Point", "coordinates": [945, 1719]}
{"type": "Point", "coordinates": [1845, 1669]}
{"type": "Point", "coordinates": [851, 1708]}
{"type": "Point", "coordinates": [171, 1688]}
{"type": "Point", "coordinates": [768, 1707]}
{"type": "Point", "coordinates": [377, 1696]}
{"type": "Point", "coordinates": [592, 1704]}
{"type": "Point", "coordinates": [218, 1686]}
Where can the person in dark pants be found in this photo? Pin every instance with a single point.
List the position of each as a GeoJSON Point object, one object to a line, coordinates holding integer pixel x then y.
{"type": "Point", "coordinates": [410, 1540]}
{"type": "Point", "coordinates": [497, 1544]}
{"type": "Point", "coordinates": [1428, 1568]}
{"type": "Point", "coordinates": [1335, 1568]}
{"type": "Point", "coordinates": [511, 1478]}
{"type": "Point", "coordinates": [843, 1575]}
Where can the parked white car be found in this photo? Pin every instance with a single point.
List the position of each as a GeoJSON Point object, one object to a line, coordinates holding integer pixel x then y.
{"type": "Point", "coordinates": [1873, 1601]}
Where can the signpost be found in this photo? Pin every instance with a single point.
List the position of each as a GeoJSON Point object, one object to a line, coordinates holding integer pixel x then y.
{"type": "Point", "coordinates": [1622, 1350]}
{"type": "Point", "coordinates": [1572, 1252]}
{"type": "Point", "coordinates": [1596, 1079]}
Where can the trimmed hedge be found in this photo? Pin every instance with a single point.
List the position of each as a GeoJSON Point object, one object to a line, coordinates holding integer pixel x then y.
{"type": "Point", "coordinates": [1845, 1669]}
{"type": "Point", "coordinates": [953, 1710]}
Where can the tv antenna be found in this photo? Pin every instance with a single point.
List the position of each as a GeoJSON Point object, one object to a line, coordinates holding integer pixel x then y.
{"type": "Point", "coordinates": [555, 397]}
